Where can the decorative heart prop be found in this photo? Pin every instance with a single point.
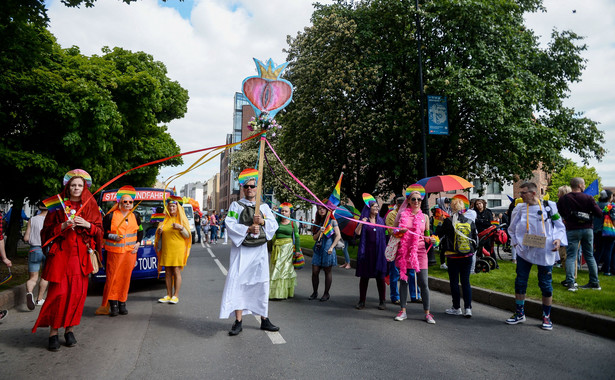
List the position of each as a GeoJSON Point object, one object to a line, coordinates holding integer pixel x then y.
{"type": "Point", "coordinates": [267, 93]}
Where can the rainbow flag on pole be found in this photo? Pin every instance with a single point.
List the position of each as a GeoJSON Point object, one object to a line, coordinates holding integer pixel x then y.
{"type": "Point", "coordinates": [334, 199]}
{"type": "Point", "coordinates": [53, 203]}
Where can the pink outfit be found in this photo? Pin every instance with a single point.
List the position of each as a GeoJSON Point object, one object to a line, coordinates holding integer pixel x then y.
{"type": "Point", "coordinates": [412, 253]}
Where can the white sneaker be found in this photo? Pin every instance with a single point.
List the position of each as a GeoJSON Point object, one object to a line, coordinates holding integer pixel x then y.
{"type": "Point", "coordinates": [30, 301]}
{"type": "Point", "coordinates": [40, 302]}
{"type": "Point", "coordinates": [443, 266]}
{"type": "Point", "coordinates": [468, 313]}
{"type": "Point", "coordinates": [453, 311]}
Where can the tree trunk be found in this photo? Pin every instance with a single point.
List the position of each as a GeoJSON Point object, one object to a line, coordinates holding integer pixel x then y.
{"type": "Point", "coordinates": [14, 228]}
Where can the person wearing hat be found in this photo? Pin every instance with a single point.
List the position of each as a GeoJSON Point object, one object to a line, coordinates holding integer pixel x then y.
{"type": "Point", "coordinates": [246, 290]}
{"type": "Point", "coordinates": [123, 235]}
{"type": "Point", "coordinates": [36, 258]}
{"type": "Point", "coordinates": [73, 231]}
{"type": "Point", "coordinates": [172, 243]}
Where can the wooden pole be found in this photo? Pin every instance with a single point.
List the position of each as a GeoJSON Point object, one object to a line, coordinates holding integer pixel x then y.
{"type": "Point", "coordinates": [259, 187]}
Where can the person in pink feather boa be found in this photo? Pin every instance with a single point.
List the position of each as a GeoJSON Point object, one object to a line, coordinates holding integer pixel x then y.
{"type": "Point", "coordinates": [412, 254]}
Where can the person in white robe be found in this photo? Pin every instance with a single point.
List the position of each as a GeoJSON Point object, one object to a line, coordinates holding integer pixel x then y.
{"type": "Point", "coordinates": [246, 290]}
{"type": "Point", "coordinates": [536, 231]}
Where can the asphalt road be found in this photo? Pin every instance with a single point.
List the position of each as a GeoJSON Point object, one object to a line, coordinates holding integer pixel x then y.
{"type": "Point", "coordinates": [329, 340]}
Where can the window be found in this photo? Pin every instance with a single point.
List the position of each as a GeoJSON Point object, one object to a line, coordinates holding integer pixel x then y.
{"type": "Point", "coordinates": [493, 188]}
{"type": "Point", "coordinates": [494, 203]}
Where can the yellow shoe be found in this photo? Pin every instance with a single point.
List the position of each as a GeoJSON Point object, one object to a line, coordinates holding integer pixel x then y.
{"type": "Point", "coordinates": [166, 299]}
{"type": "Point", "coordinates": [174, 300]}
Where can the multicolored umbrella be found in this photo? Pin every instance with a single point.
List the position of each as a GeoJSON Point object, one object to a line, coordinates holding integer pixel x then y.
{"type": "Point", "coordinates": [444, 183]}
{"type": "Point", "coordinates": [346, 226]}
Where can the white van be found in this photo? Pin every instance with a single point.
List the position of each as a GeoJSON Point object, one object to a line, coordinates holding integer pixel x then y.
{"type": "Point", "coordinates": [190, 215]}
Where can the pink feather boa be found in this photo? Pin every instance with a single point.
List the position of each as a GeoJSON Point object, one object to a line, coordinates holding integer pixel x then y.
{"type": "Point", "coordinates": [407, 254]}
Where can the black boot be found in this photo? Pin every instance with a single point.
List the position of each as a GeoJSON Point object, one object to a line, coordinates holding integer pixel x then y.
{"type": "Point", "coordinates": [236, 329]}
{"type": "Point", "coordinates": [267, 325]}
{"type": "Point", "coordinates": [122, 307]}
{"type": "Point", "coordinates": [114, 310]}
{"type": "Point", "coordinates": [69, 337]}
{"type": "Point", "coordinates": [54, 343]}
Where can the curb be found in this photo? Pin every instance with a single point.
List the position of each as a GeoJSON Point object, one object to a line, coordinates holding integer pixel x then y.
{"type": "Point", "coordinates": [565, 316]}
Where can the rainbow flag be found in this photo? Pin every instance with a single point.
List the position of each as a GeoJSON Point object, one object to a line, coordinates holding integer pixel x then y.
{"type": "Point", "coordinates": [157, 217]}
{"type": "Point", "coordinates": [328, 230]}
{"type": "Point", "coordinates": [334, 199]}
{"type": "Point", "coordinates": [495, 223]}
{"type": "Point", "coordinates": [53, 203]}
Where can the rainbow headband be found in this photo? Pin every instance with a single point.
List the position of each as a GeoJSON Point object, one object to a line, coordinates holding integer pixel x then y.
{"type": "Point", "coordinates": [286, 204]}
{"type": "Point", "coordinates": [415, 187]}
{"type": "Point", "coordinates": [464, 199]}
{"type": "Point", "coordinates": [368, 198]}
{"type": "Point", "coordinates": [175, 199]}
{"type": "Point", "coordinates": [247, 175]}
{"type": "Point", "coordinates": [126, 190]}
{"type": "Point", "coordinates": [78, 173]}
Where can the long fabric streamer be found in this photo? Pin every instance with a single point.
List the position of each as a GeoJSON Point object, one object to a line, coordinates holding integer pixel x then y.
{"type": "Point", "coordinates": [157, 162]}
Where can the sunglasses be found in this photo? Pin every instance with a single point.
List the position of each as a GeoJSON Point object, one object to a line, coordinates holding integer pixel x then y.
{"type": "Point", "coordinates": [127, 202]}
{"type": "Point", "coordinates": [249, 186]}
{"type": "Point", "coordinates": [415, 199]}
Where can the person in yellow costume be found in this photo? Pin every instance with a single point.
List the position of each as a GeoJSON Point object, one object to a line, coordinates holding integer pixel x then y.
{"type": "Point", "coordinates": [123, 234]}
{"type": "Point", "coordinates": [173, 242]}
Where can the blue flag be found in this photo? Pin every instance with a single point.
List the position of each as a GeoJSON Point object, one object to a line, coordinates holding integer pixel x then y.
{"type": "Point", "coordinates": [592, 189]}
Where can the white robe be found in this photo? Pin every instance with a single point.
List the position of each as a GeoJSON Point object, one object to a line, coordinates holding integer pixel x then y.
{"type": "Point", "coordinates": [553, 231]}
{"type": "Point", "coordinates": [247, 282]}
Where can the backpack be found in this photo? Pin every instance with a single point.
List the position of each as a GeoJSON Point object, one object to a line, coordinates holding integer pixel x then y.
{"type": "Point", "coordinates": [463, 243]}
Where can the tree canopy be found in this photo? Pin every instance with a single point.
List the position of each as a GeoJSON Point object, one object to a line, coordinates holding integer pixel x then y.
{"type": "Point", "coordinates": [356, 102]}
{"type": "Point", "coordinates": [61, 110]}
{"type": "Point", "coordinates": [571, 170]}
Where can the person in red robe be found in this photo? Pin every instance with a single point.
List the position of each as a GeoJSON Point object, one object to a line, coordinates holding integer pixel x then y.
{"type": "Point", "coordinates": [72, 233]}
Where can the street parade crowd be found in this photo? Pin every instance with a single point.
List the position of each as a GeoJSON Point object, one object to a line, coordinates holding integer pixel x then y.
{"type": "Point", "coordinates": [393, 248]}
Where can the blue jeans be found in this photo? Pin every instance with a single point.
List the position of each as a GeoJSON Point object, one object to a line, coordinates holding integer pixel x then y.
{"type": "Point", "coordinates": [393, 281]}
{"type": "Point", "coordinates": [545, 278]}
{"type": "Point", "coordinates": [214, 233]}
{"type": "Point", "coordinates": [36, 258]}
{"type": "Point", "coordinates": [346, 255]}
{"type": "Point", "coordinates": [586, 238]}
{"type": "Point", "coordinates": [607, 254]}
{"type": "Point", "coordinates": [459, 271]}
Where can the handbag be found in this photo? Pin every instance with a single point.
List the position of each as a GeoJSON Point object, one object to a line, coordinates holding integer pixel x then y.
{"type": "Point", "coordinates": [94, 260]}
{"type": "Point", "coordinates": [391, 250]}
{"type": "Point", "coordinates": [340, 244]}
{"type": "Point", "coordinates": [298, 260]}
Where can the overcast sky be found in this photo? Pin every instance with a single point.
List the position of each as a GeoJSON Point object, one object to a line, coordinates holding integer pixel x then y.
{"type": "Point", "coordinates": [208, 45]}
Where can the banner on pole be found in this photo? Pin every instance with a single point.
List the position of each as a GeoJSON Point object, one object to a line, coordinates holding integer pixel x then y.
{"type": "Point", "coordinates": [437, 114]}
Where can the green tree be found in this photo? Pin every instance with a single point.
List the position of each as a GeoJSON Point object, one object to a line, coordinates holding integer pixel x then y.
{"type": "Point", "coordinates": [356, 103]}
{"type": "Point", "coordinates": [61, 110]}
{"type": "Point", "coordinates": [567, 172]}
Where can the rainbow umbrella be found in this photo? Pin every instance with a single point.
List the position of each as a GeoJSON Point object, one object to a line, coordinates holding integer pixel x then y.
{"type": "Point", "coordinates": [346, 226]}
{"type": "Point", "coordinates": [444, 183]}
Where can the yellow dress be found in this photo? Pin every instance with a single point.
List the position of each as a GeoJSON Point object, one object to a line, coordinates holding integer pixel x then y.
{"type": "Point", "coordinates": [173, 249]}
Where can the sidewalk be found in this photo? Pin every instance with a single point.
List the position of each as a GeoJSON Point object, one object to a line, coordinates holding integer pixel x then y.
{"type": "Point", "coordinates": [565, 316]}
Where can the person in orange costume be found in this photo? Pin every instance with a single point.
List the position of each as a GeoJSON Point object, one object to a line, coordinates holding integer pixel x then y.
{"type": "Point", "coordinates": [68, 263]}
{"type": "Point", "coordinates": [123, 235]}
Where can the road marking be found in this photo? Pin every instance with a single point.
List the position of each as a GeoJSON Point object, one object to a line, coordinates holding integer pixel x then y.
{"type": "Point", "coordinates": [222, 268]}
{"type": "Point", "coordinates": [274, 336]}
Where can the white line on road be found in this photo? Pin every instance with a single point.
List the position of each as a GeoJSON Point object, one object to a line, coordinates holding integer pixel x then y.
{"type": "Point", "coordinates": [222, 268]}
{"type": "Point", "coordinates": [274, 336]}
